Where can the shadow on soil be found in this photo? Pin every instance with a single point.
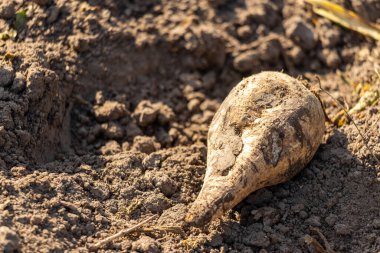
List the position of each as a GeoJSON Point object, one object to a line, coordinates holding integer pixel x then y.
{"type": "Point", "coordinates": [334, 193]}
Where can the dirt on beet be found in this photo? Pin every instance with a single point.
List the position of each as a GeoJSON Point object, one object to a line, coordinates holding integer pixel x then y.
{"type": "Point", "coordinates": [104, 113]}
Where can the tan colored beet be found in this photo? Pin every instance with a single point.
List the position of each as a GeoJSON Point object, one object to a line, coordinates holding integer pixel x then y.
{"type": "Point", "coordinates": [266, 130]}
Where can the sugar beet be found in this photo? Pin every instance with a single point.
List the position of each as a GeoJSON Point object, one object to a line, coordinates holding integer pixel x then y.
{"type": "Point", "coordinates": [266, 130]}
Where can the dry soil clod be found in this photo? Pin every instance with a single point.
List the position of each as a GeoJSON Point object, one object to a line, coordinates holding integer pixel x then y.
{"type": "Point", "coordinates": [266, 130]}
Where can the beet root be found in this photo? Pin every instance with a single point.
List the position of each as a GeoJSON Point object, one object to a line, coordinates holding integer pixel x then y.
{"type": "Point", "coordinates": [266, 130]}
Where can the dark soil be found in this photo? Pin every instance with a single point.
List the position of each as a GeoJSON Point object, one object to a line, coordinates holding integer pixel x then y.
{"type": "Point", "coordinates": [104, 113]}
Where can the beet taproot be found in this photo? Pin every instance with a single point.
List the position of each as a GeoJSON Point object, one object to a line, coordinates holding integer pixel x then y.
{"type": "Point", "coordinates": [266, 130]}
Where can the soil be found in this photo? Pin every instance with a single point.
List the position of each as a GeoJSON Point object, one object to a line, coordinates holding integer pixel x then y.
{"type": "Point", "coordinates": [104, 113]}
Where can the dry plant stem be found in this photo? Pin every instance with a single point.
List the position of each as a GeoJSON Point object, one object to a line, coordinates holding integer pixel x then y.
{"type": "Point", "coordinates": [377, 72]}
{"type": "Point", "coordinates": [120, 234]}
{"type": "Point", "coordinates": [325, 242]}
{"type": "Point", "coordinates": [351, 119]}
{"type": "Point", "coordinates": [345, 18]}
{"type": "Point", "coordinates": [310, 241]}
{"type": "Point", "coordinates": [159, 229]}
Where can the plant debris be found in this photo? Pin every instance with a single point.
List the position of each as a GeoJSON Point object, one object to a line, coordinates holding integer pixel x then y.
{"type": "Point", "coordinates": [345, 18]}
{"type": "Point", "coordinates": [20, 20]}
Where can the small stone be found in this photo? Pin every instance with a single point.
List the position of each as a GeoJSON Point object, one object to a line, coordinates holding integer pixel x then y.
{"type": "Point", "coordinates": [53, 13]}
{"type": "Point", "coordinates": [112, 130]}
{"type": "Point", "coordinates": [9, 240]}
{"type": "Point", "coordinates": [244, 31]}
{"type": "Point", "coordinates": [35, 83]}
{"type": "Point", "coordinates": [163, 137]}
{"type": "Point", "coordinates": [37, 219]}
{"type": "Point", "coordinates": [202, 118]}
{"type": "Point", "coordinates": [298, 208]}
{"type": "Point", "coordinates": [282, 228]}
{"type": "Point", "coordinates": [6, 118]}
{"type": "Point", "coordinates": [2, 164]}
{"type": "Point", "coordinates": [314, 221]}
{"type": "Point", "coordinates": [262, 30]}
{"type": "Point", "coordinates": [295, 54]}
{"type": "Point", "coordinates": [217, 3]}
{"type": "Point", "coordinates": [210, 105]}
{"type": "Point", "coordinates": [7, 10]}
{"type": "Point", "coordinates": [3, 134]}
{"type": "Point", "coordinates": [248, 250]}
{"type": "Point", "coordinates": [145, 144]}
{"type": "Point", "coordinates": [270, 51]}
{"type": "Point", "coordinates": [270, 215]}
{"type": "Point", "coordinates": [82, 131]}
{"type": "Point", "coordinates": [99, 218]}
{"type": "Point", "coordinates": [42, 2]}
{"type": "Point", "coordinates": [146, 244]}
{"type": "Point", "coordinates": [191, 79]}
{"type": "Point", "coordinates": [165, 184]}
{"type": "Point", "coordinates": [174, 215]}
{"type": "Point", "coordinates": [165, 113]}
{"type": "Point", "coordinates": [93, 132]}
{"type": "Point", "coordinates": [282, 193]}
{"type": "Point", "coordinates": [152, 161]}
{"type": "Point", "coordinates": [303, 214]}
{"type": "Point", "coordinates": [246, 61]}
{"type": "Point", "coordinates": [301, 32]}
{"type": "Point", "coordinates": [193, 105]}
{"type": "Point", "coordinates": [260, 197]}
{"type": "Point", "coordinates": [315, 64]}
{"type": "Point", "coordinates": [126, 146]}
{"type": "Point", "coordinates": [145, 113]}
{"type": "Point", "coordinates": [99, 97]}
{"type": "Point", "coordinates": [376, 223]}
{"type": "Point", "coordinates": [19, 83]}
{"type": "Point", "coordinates": [331, 219]}
{"type": "Point", "coordinates": [90, 228]}
{"type": "Point", "coordinates": [24, 137]}
{"type": "Point", "coordinates": [132, 130]}
{"type": "Point", "coordinates": [282, 205]}
{"type": "Point", "coordinates": [194, 95]}
{"type": "Point", "coordinates": [258, 239]}
{"type": "Point", "coordinates": [329, 35]}
{"type": "Point", "coordinates": [156, 203]}
{"type": "Point", "coordinates": [6, 75]}
{"type": "Point", "coordinates": [18, 171]}
{"type": "Point", "coordinates": [174, 133]}
{"type": "Point", "coordinates": [110, 110]}
{"type": "Point", "coordinates": [110, 148]}
{"type": "Point", "coordinates": [342, 229]}
{"type": "Point", "coordinates": [79, 43]}
{"type": "Point", "coordinates": [216, 240]}
{"type": "Point", "coordinates": [330, 58]}
{"type": "Point", "coordinates": [263, 12]}
{"type": "Point", "coordinates": [209, 80]}
{"type": "Point", "coordinates": [100, 192]}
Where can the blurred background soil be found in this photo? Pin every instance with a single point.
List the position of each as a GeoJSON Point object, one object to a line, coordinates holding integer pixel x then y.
{"type": "Point", "coordinates": [104, 112]}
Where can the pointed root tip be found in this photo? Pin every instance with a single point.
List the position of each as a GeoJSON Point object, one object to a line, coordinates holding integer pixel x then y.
{"type": "Point", "coordinates": [198, 217]}
{"type": "Point", "coordinates": [210, 204]}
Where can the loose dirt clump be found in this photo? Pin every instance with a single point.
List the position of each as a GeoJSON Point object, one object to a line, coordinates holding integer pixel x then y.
{"type": "Point", "coordinates": [104, 114]}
